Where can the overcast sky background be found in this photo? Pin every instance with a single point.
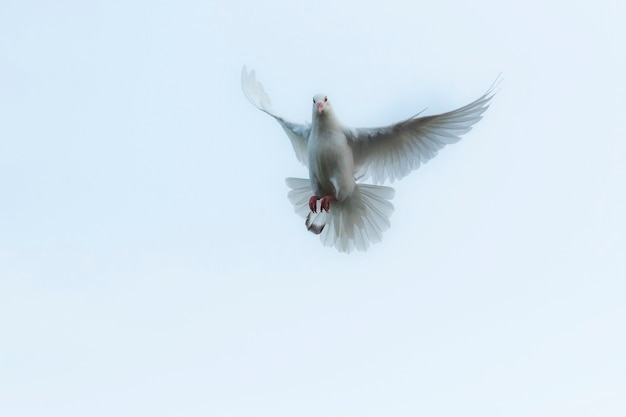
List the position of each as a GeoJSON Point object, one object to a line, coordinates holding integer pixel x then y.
{"type": "Point", "coordinates": [151, 264]}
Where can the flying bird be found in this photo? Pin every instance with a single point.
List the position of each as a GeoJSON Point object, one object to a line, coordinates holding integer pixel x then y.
{"type": "Point", "coordinates": [347, 213]}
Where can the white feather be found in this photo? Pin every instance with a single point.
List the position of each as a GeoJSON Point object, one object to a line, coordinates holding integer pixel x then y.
{"type": "Point", "coordinates": [297, 133]}
{"type": "Point", "coordinates": [350, 224]}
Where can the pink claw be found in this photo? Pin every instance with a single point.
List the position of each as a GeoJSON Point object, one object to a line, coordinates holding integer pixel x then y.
{"type": "Point", "coordinates": [326, 202]}
{"type": "Point", "coordinates": [313, 203]}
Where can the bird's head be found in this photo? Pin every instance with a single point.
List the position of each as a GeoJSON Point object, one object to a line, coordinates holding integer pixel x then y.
{"type": "Point", "coordinates": [321, 103]}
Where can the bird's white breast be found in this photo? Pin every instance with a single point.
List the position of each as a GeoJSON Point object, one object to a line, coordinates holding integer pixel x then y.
{"type": "Point", "coordinates": [330, 161]}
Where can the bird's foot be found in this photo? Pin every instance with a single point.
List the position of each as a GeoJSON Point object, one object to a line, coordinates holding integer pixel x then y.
{"type": "Point", "coordinates": [313, 203]}
{"type": "Point", "coordinates": [326, 202]}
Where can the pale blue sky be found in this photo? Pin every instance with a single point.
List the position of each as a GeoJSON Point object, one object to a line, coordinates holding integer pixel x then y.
{"type": "Point", "coordinates": [151, 264]}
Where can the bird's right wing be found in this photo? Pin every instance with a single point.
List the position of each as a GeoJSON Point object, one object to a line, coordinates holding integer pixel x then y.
{"type": "Point", "coordinates": [298, 133]}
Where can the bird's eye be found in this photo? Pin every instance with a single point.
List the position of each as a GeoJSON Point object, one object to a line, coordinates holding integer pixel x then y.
{"type": "Point", "coordinates": [325, 99]}
{"type": "Point", "coordinates": [313, 101]}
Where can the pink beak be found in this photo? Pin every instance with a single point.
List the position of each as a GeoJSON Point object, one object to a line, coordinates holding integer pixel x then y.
{"type": "Point", "coordinates": [320, 106]}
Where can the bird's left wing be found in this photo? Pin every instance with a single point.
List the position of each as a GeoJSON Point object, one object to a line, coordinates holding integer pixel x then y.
{"type": "Point", "coordinates": [297, 133]}
{"type": "Point", "coordinates": [392, 152]}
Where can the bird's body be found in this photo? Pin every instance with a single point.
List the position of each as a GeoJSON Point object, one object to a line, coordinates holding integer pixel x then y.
{"type": "Point", "coordinates": [346, 213]}
{"type": "Point", "coordinates": [331, 164]}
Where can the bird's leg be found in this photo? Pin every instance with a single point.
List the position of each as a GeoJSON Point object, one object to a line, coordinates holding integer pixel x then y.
{"type": "Point", "coordinates": [326, 202]}
{"type": "Point", "coordinates": [313, 203]}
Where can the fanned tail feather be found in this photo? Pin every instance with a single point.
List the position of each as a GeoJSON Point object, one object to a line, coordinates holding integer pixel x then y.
{"type": "Point", "coordinates": [351, 224]}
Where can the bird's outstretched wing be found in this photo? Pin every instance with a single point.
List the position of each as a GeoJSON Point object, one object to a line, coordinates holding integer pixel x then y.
{"type": "Point", "coordinates": [298, 133]}
{"type": "Point", "coordinates": [392, 152]}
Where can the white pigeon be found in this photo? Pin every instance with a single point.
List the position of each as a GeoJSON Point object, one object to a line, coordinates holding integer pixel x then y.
{"type": "Point", "coordinates": [345, 213]}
